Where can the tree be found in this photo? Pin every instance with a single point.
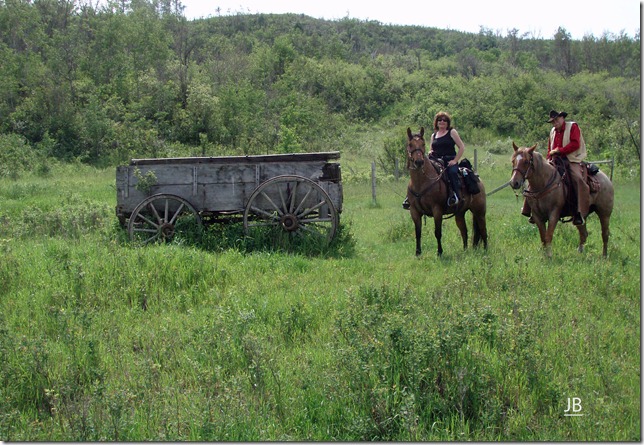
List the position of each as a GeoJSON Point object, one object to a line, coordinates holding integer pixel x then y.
{"type": "Point", "coordinates": [562, 52]}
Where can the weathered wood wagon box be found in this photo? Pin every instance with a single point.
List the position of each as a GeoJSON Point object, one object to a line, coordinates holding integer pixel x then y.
{"type": "Point", "coordinates": [298, 193]}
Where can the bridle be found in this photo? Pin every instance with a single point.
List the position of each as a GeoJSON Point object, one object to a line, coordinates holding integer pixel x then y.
{"type": "Point", "coordinates": [410, 162]}
{"type": "Point", "coordinates": [539, 193]}
{"type": "Point", "coordinates": [410, 154]}
{"type": "Point", "coordinates": [527, 171]}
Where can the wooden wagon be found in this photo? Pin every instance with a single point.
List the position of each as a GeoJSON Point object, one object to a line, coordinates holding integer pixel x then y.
{"type": "Point", "coordinates": [300, 194]}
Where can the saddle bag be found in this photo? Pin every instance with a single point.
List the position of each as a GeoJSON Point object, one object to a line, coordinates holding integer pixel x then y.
{"type": "Point", "coordinates": [471, 181]}
{"type": "Point", "coordinates": [592, 169]}
{"type": "Point", "coordinates": [465, 163]}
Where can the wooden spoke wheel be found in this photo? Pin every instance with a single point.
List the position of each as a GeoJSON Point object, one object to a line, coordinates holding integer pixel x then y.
{"type": "Point", "coordinates": [160, 218]}
{"type": "Point", "coordinates": [294, 205]}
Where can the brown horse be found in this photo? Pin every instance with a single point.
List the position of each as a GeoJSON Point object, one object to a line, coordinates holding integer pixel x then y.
{"type": "Point", "coordinates": [546, 196]}
{"type": "Point", "coordinates": [427, 195]}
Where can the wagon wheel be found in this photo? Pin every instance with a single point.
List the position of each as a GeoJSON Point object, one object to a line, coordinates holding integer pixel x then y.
{"type": "Point", "coordinates": [294, 204]}
{"type": "Point", "coordinates": [159, 218]}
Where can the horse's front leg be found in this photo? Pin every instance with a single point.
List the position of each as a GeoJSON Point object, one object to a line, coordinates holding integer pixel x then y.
{"type": "Point", "coordinates": [552, 225]}
{"type": "Point", "coordinates": [462, 226]}
{"type": "Point", "coordinates": [541, 225]}
{"type": "Point", "coordinates": [418, 225]}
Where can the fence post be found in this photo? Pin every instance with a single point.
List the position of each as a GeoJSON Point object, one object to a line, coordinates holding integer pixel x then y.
{"type": "Point", "coordinates": [476, 162]}
{"type": "Point", "coordinates": [373, 181]}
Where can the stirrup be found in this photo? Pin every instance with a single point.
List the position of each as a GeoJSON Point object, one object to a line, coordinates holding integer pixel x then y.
{"type": "Point", "coordinates": [578, 220]}
{"type": "Point", "coordinates": [453, 200]}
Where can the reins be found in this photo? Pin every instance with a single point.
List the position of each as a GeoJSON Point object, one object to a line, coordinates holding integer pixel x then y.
{"type": "Point", "coordinates": [548, 188]}
{"type": "Point", "coordinates": [536, 194]}
{"type": "Point", "coordinates": [440, 171]}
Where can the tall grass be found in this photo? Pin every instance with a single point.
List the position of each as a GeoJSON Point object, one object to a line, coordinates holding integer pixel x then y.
{"type": "Point", "coordinates": [229, 339]}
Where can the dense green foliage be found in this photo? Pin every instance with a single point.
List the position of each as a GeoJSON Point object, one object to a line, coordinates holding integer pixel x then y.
{"type": "Point", "coordinates": [102, 341]}
{"type": "Point", "coordinates": [135, 78]}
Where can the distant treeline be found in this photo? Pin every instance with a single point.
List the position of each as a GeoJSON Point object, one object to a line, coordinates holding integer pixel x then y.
{"type": "Point", "coordinates": [135, 78]}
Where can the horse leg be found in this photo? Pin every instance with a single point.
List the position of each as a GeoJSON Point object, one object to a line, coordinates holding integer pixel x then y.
{"type": "Point", "coordinates": [604, 220]}
{"type": "Point", "coordinates": [552, 225]}
{"type": "Point", "coordinates": [438, 230]}
{"type": "Point", "coordinates": [418, 225]}
{"type": "Point", "coordinates": [583, 236]}
{"type": "Point", "coordinates": [462, 226]}
{"type": "Point", "coordinates": [541, 225]}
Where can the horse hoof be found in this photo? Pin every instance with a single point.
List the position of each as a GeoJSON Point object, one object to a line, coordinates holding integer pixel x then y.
{"type": "Point", "coordinates": [580, 249]}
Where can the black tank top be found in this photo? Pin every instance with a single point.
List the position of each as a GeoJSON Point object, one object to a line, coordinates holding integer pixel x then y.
{"type": "Point", "coordinates": [444, 146]}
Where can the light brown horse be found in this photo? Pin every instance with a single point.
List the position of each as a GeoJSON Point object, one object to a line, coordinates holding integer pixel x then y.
{"type": "Point", "coordinates": [546, 196]}
{"type": "Point", "coordinates": [427, 195]}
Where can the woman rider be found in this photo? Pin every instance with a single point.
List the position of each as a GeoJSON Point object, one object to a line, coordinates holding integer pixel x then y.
{"type": "Point", "coordinates": [443, 145]}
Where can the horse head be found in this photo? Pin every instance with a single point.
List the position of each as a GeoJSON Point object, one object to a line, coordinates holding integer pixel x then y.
{"type": "Point", "coordinates": [522, 164]}
{"type": "Point", "coordinates": [415, 149]}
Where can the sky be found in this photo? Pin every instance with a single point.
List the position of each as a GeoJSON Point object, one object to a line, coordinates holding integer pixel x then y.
{"type": "Point", "coordinates": [539, 19]}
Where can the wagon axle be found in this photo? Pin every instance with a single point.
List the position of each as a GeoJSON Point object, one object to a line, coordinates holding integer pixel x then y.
{"type": "Point", "coordinates": [166, 230]}
{"type": "Point", "coordinates": [290, 223]}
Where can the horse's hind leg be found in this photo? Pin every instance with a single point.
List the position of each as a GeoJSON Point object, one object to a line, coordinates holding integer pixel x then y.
{"type": "Point", "coordinates": [462, 226]}
{"type": "Point", "coordinates": [583, 236]}
{"type": "Point", "coordinates": [604, 220]}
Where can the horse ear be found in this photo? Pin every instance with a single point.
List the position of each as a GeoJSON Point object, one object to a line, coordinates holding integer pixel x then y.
{"type": "Point", "coordinates": [514, 146]}
{"type": "Point", "coordinates": [422, 131]}
{"type": "Point", "coordinates": [531, 149]}
{"type": "Point", "coordinates": [408, 133]}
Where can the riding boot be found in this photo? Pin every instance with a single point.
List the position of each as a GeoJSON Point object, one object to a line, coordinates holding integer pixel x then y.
{"type": "Point", "coordinates": [456, 187]}
{"type": "Point", "coordinates": [405, 204]}
{"type": "Point", "coordinates": [578, 220]}
{"type": "Point", "coordinates": [455, 183]}
{"type": "Point", "coordinates": [527, 211]}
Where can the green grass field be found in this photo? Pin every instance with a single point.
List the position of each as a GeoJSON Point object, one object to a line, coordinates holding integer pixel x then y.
{"type": "Point", "coordinates": [102, 341]}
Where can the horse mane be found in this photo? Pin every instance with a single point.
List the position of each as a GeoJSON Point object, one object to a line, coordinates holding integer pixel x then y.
{"type": "Point", "coordinates": [538, 160]}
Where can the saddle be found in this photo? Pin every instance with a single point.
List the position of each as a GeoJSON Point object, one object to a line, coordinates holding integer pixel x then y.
{"type": "Point", "coordinates": [562, 165]}
{"type": "Point", "coordinates": [468, 179]}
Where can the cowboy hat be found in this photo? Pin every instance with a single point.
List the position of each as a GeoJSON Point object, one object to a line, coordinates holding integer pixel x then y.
{"type": "Point", "coordinates": [555, 114]}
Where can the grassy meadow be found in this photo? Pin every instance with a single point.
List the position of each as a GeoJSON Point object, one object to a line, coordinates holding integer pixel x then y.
{"type": "Point", "coordinates": [227, 341]}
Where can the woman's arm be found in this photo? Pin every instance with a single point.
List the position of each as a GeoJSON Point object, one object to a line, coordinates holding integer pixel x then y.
{"type": "Point", "coordinates": [460, 145]}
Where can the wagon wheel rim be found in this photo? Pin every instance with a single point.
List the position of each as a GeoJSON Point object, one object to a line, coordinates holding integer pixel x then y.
{"type": "Point", "coordinates": [292, 204]}
{"type": "Point", "coordinates": [159, 218]}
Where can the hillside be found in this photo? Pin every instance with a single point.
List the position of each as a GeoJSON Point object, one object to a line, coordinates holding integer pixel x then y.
{"type": "Point", "coordinates": [137, 79]}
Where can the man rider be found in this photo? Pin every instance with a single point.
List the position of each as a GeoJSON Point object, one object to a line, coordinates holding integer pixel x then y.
{"type": "Point", "coordinates": [566, 140]}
